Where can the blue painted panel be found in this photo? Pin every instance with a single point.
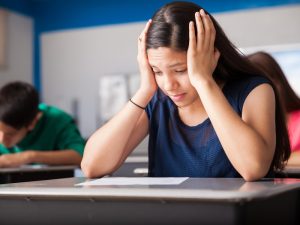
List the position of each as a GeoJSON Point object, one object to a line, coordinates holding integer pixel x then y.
{"type": "Point", "coordinates": [20, 6]}
{"type": "Point", "coordinates": [67, 14]}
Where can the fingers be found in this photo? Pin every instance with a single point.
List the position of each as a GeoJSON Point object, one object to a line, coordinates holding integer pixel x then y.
{"type": "Point", "coordinates": [205, 31]}
{"type": "Point", "coordinates": [192, 36]}
{"type": "Point", "coordinates": [212, 31]}
{"type": "Point", "coordinates": [144, 32]}
{"type": "Point", "coordinates": [142, 40]}
{"type": "Point", "coordinates": [200, 29]}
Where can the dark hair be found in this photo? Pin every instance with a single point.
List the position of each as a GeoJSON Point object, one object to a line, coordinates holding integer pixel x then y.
{"type": "Point", "coordinates": [170, 28]}
{"type": "Point", "coordinates": [18, 104]}
{"type": "Point", "coordinates": [271, 68]}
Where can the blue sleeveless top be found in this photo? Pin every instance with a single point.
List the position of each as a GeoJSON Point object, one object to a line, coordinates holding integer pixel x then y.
{"type": "Point", "coordinates": [176, 149]}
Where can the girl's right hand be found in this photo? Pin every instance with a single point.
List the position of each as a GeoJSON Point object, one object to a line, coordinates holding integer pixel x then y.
{"type": "Point", "coordinates": [148, 84]}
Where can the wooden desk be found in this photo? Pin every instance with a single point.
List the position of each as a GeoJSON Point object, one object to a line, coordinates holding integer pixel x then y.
{"type": "Point", "coordinates": [195, 201]}
{"type": "Point", "coordinates": [35, 172]}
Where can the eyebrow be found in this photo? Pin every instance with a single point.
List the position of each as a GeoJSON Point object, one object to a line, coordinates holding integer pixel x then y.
{"type": "Point", "coordinates": [177, 64]}
{"type": "Point", "coordinates": [171, 66]}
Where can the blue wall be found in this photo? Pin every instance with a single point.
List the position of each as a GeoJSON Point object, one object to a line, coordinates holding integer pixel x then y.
{"type": "Point", "coordinates": [52, 15]}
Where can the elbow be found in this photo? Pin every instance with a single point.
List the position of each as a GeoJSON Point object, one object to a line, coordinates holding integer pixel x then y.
{"type": "Point", "coordinates": [88, 170]}
{"type": "Point", "coordinates": [95, 169]}
{"type": "Point", "coordinates": [255, 169]}
{"type": "Point", "coordinates": [251, 177]}
{"type": "Point", "coordinates": [92, 165]}
{"type": "Point", "coordinates": [254, 174]}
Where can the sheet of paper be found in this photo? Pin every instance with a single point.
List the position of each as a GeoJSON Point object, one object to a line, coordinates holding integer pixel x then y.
{"type": "Point", "coordinates": [134, 181]}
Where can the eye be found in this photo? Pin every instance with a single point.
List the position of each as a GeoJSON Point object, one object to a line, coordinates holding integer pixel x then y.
{"type": "Point", "coordinates": [181, 71]}
{"type": "Point", "coordinates": [157, 73]}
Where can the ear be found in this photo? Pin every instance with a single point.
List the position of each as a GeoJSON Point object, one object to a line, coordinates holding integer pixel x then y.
{"type": "Point", "coordinates": [34, 121]}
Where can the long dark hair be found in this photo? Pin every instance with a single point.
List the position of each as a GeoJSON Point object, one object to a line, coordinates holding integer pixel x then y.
{"type": "Point", "coordinates": [271, 68]}
{"type": "Point", "coordinates": [170, 28]}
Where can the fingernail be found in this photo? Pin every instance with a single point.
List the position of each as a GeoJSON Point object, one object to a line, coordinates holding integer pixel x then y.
{"type": "Point", "coordinates": [202, 12]}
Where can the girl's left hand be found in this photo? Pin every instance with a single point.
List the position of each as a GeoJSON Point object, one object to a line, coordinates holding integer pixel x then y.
{"type": "Point", "coordinates": [202, 56]}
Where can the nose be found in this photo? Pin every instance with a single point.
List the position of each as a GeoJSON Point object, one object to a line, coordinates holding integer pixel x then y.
{"type": "Point", "coordinates": [170, 83]}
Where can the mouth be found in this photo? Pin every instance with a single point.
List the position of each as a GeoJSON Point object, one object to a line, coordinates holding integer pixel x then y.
{"type": "Point", "coordinates": [177, 97]}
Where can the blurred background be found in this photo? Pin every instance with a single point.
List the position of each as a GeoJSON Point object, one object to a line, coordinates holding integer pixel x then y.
{"type": "Point", "coordinates": [81, 54]}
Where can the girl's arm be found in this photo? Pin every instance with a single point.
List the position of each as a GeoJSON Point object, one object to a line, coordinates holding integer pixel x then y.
{"type": "Point", "coordinates": [109, 146]}
{"type": "Point", "coordinates": [249, 142]}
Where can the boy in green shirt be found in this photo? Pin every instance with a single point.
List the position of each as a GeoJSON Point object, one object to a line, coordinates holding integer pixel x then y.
{"type": "Point", "coordinates": [35, 133]}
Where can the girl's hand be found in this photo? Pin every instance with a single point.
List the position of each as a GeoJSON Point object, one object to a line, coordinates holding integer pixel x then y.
{"type": "Point", "coordinates": [148, 84]}
{"type": "Point", "coordinates": [202, 56]}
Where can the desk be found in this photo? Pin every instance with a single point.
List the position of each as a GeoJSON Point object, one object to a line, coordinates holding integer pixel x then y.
{"type": "Point", "coordinates": [289, 172]}
{"type": "Point", "coordinates": [35, 172]}
{"type": "Point", "coordinates": [134, 166]}
{"type": "Point", "coordinates": [195, 201]}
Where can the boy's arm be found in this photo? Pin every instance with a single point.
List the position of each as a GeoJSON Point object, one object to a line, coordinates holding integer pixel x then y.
{"type": "Point", "coordinates": [61, 157]}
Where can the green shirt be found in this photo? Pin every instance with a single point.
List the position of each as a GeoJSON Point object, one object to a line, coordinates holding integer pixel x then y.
{"type": "Point", "coordinates": [55, 130]}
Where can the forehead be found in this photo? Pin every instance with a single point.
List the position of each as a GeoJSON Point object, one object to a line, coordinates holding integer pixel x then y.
{"type": "Point", "coordinates": [6, 128]}
{"type": "Point", "coordinates": [166, 57]}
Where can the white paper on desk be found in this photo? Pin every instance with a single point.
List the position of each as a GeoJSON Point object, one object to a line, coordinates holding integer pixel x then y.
{"type": "Point", "coordinates": [134, 181]}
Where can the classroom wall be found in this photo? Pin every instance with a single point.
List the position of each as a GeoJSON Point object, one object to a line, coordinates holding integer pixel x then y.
{"type": "Point", "coordinates": [262, 26]}
{"type": "Point", "coordinates": [19, 45]}
{"type": "Point", "coordinates": [73, 60]}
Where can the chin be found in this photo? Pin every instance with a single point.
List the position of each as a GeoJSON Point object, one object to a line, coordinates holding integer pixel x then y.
{"type": "Point", "coordinates": [180, 104]}
{"type": "Point", "coordinates": [8, 146]}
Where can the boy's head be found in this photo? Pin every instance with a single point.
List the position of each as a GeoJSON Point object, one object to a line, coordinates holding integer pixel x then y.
{"type": "Point", "coordinates": [18, 110]}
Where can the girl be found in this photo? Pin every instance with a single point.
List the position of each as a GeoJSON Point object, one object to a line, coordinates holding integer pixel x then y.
{"type": "Point", "coordinates": [208, 111]}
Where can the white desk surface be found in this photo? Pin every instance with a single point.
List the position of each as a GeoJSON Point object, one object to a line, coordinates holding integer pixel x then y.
{"type": "Point", "coordinates": [137, 159]}
{"type": "Point", "coordinates": [197, 189]}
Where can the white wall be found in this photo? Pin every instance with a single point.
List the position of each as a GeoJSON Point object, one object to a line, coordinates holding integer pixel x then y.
{"type": "Point", "coordinates": [19, 50]}
{"type": "Point", "coordinates": [263, 26]}
{"type": "Point", "coordinates": [73, 60]}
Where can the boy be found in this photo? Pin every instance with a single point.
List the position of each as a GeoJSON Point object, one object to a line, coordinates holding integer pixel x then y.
{"type": "Point", "coordinates": [31, 132]}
